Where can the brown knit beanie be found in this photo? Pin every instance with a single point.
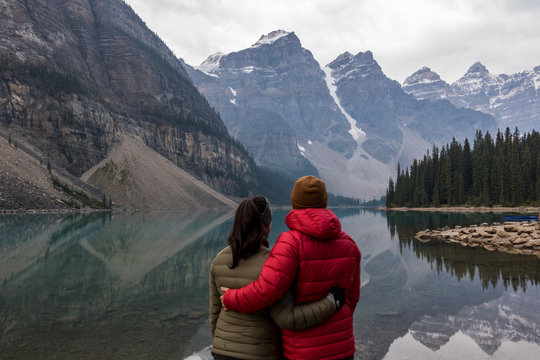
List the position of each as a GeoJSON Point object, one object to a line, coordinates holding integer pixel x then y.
{"type": "Point", "coordinates": [309, 192]}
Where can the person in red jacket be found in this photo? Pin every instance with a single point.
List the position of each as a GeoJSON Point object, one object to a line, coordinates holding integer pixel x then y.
{"type": "Point", "coordinates": [312, 257]}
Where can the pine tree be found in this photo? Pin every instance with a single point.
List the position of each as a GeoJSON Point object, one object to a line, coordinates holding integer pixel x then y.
{"type": "Point", "coordinates": [516, 181]}
{"type": "Point", "coordinates": [466, 170]}
{"type": "Point", "coordinates": [390, 193]}
{"type": "Point", "coordinates": [537, 179]}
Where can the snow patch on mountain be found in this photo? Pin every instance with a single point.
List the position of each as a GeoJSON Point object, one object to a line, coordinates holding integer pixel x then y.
{"type": "Point", "coordinates": [270, 38]}
{"type": "Point", "coordinates": [355, 131]}
{"type": "Point", "coordinates": [210, 66]}
{"type": "Point", "coordinates": [233, 100]}
{"type": "Point", "coordinates": [247, 69]}
{"type": "Point", "coordinates": [536, 79]}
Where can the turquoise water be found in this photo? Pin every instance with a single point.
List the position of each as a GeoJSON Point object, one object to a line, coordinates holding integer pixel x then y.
{"type": "Point", "coordinates": [135, 285]}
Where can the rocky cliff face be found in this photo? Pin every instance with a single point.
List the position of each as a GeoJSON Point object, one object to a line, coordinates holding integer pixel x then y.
{"type": "Point", "coordinates": [273, 98]}
{"type": "Point", "coordinates": [77, 72]}
{"type": "Point", "coordinates": [513, 100]}
{"type": "Point", "coordinates": [264, 133]}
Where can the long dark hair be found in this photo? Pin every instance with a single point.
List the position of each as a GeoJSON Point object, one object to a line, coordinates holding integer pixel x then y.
{"type": "Point", "coordinates": [250, 229]}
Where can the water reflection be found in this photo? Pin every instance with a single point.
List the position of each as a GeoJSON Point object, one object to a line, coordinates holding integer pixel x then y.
{"type": "Point", "coordinates": [126, 286]}
{"type": "Point", "coordinates": [488, 311]}
{"type": "Point", "coordinates": [515, 271]}
{"type": "Point", "coordinates": [135, 285]}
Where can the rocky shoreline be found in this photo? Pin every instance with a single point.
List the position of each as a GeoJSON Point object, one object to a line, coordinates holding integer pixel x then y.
{"type": "Point", "coordinates": [50, 211]}
{"type": "Point", "coordinates": [508, 237]}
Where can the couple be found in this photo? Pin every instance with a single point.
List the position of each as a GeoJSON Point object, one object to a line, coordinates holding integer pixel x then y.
{"type": "Point", "coordinates": [306, 290]}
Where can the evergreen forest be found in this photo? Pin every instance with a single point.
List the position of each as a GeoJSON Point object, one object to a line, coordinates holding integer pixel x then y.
{"type": "Point", "coordinates": [504, 170]}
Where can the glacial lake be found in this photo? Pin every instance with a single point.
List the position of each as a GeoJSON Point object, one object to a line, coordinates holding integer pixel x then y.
{"type": "Point", "coordinates": [135, 286]}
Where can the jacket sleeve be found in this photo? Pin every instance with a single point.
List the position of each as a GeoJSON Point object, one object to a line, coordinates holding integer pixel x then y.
{"type": "Point", "coordinates": [215, 303]}
{"type": "Point", "coordinates": [289, 316]}
{"type": "Point", "coordinates": [353, 295]}
{"type": "Point", "coordinates": [277, 276]}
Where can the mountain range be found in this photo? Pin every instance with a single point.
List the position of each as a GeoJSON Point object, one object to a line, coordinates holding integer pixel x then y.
{"type": "Point", "coordinates": [78, 77]}
{"type": "Point", "coordinates": [347, 118]}
{"type": "Point", "coordinates": [514, 100]}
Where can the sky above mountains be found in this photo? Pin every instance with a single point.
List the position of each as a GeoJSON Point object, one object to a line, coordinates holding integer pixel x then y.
{"type": "Point", "coordinates": [446, 35]}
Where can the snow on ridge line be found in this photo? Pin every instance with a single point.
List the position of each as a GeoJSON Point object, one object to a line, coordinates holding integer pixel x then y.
{"type": "Point", "coordinates": [270, 38]}
{"type": "Point", "coordinates": [355, 131]}
{"type": "Point", "coordinates": [211, 64]}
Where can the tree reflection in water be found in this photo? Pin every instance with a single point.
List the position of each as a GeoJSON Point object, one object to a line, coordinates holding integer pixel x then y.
{"type": "Point", "coordinates": [135, 285]}
{"type": "Point", "coordinates": [515, 271]}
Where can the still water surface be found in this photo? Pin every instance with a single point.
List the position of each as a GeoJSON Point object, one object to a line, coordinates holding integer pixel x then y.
{"type": "Point", "coordinates": [135, 285]}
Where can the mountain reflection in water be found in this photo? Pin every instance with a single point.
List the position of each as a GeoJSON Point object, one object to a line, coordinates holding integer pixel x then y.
{"type": "Point", "coordinates": [131, 285]}
{"type": "Point", "coordinates": [135, 285]}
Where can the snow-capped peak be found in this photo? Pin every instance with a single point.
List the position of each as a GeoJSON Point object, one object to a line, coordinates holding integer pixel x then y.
{"type": "Point", "coordinates": [422, 76]}
{"type": "Point", "coordinates": [477, 68]}
{"type": "Point", "coordinates": [271, 38]}
{"type": "Point", "coordinates": [211, 64]}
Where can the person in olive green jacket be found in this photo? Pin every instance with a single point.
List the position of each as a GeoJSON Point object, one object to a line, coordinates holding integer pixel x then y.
{"type": "Point", "coordinates": [255, 336]}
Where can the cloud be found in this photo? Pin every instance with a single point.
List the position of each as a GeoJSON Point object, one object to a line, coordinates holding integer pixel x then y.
{"type": "Point", "coordinates": [446, 35]}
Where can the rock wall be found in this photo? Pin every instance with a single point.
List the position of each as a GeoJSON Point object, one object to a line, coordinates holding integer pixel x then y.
{"type": "Point", "coordinates": [75, 72]}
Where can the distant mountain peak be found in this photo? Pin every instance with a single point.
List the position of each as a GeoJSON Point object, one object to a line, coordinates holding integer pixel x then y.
{"type": "Point", "coordinates": [364, 56]}
{"type": "Point", "coordinates": [361, 59]}
{"type": "Point", "coordinates": [273, 37]}
{"type": "Point", "coordinates": [211, 64]}
{"type": "Point", "coordinates": [477, 68]}
{"type": "Point", "coordinates": [424, 69]}
{"type": "Point", "coordinates": [422, 76]}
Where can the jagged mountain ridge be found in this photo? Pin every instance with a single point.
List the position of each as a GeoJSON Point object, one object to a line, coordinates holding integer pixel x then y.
{"type": "Point", "coordinates": [76, 73]}
{"type": "Point", "coordinates": [274, 82]}
{"type": "Point", "coordinates": [513, 100]}
{"type": "Point", "coordinates": [351, 121]}
{"type": "Point", "coordinates": [383, 110]}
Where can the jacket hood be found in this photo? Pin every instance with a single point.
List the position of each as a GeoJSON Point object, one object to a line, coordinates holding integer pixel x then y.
{"type": "Point", "coordinates": [319, 223]}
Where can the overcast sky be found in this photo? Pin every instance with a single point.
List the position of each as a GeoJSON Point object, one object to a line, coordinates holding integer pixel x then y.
{"type": "Point", "coordinates": [446, 35]}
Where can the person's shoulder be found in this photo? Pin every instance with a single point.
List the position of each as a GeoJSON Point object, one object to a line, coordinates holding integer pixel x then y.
{"type": "Point", "coordinates": [287, 239]}
{"type": "Point", "coordinates": [264, 251]}
{"type": "Point", "coordinates": [348, 239]}
{"type": "Point", "coordinates": [223, 256]}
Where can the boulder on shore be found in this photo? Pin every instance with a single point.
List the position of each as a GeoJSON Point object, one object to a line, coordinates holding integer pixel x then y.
{"type": "Point", "coordinates": [513, 238]}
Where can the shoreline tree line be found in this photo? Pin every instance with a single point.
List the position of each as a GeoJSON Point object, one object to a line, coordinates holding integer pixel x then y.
{"type": "Point", "coordinates": [504, 170]}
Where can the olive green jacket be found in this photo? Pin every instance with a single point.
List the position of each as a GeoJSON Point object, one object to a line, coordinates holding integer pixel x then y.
{"type": "Point", "coordinates": [255, 336]}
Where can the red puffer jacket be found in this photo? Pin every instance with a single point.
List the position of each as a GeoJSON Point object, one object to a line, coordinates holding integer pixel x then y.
{"type": "Point", "coordinates": [318, 255]}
